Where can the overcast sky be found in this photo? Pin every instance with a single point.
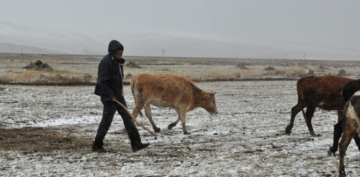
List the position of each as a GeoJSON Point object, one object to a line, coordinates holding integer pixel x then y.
{"type": "Point", "coordinates": [275, 23]}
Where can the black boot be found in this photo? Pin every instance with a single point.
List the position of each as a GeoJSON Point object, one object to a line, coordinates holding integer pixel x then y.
{"type": "Point", "coordinates": [132, 131]}
{"type": "Point", "coordinates": [135, 140]}
{"type": "Point", "coordinates": [139, 146]}
{"type": "Point", "coordinates": [99, 148]}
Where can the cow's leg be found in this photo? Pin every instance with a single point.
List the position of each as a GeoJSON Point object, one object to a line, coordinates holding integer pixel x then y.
{"type": "Point", "coordinates": [183, 121]}
{"type": "Point", "coordinates": [177, 121]}
{"type": "Point", "coordinates": [135, 113]}
{"type": "Point", "coordinates": [310, 110]}
{"type": "Point", "coordinates": [148, 114]}
{"type": "Point", "coordinates": [348, 134]}
{"type": "Point", "coordinates": [337, 134]}
{"type": "Point", "coordinates": [357, 140]}
{"type": "Point", "coordinates": [340, 115]}
{"type": "Point", "coordinates": [137, 110]}
{"type": "Point", "coordinates": [294, 111]}
{"type": "Point", "coordinates": [356, 136]}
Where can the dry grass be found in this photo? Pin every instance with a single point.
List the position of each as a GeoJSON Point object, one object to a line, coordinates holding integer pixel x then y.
{"type": "Point", "coordinates": [294, 71]}
{"type": "Point", "coordinates": [73, 68]}
{"type": "Point", "coordinates": [26, 75]}
{"type": "Point", "coordinates": [5, 79]}
{"type": "Point", "coordinates": [302, 64]}
{"type": "Point", "coordinates": [227, 74]}
{"type": "Point", "coordinates": [257, 72]}
{"type": "Point", "coordinates": [251, 73]}
{"type": "Point", "coordinates": [40, 140]}
{"type": "Point", "coordinates": [46, 77]}
{"type": "Point", "coordinates": [218, 74]}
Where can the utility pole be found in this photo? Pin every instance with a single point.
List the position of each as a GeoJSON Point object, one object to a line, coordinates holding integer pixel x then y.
{"type": "Point", "coordinates": [163, 52]}
{"type": "Point", "coordinates": [21, 54]}
{"type": "Point", "coordinates": [304, 56]}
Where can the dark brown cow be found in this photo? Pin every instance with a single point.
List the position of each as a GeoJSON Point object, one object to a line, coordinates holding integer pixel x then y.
{"type": "Point", "coordinates": [169, 91]}
{"type": "Point", "coordinates": [349, 89]}
{"type": "Point", "coordinates": [317, 91]}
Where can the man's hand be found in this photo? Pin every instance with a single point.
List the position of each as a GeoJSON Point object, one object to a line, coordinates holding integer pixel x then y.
{"type": "Point", "coordinates": [113, 99]}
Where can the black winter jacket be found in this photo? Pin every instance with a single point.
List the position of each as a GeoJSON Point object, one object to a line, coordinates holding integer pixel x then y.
{"type": "Point", "coordinates": [110, 79]}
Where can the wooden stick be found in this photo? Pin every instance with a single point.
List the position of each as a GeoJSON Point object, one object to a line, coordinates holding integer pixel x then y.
{"type": "Point", "coordinates": [137, 122]}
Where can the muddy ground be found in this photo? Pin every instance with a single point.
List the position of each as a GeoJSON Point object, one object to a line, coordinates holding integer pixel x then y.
{"type": "Point", "coordinates": [48, 131]}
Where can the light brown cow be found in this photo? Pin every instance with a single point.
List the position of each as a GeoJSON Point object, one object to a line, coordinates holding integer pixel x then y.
{"type": "Point", "coordinates": [169, 91]}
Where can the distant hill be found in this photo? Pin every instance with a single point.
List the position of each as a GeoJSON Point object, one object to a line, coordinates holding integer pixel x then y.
{"type": "Point", "coordinates": [20, 38]}
{"type": "Point", "coordinates": [18, 48]}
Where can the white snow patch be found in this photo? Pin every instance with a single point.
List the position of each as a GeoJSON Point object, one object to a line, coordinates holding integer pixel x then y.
{"type": "Point", "coordinates": [246, 138]}
{"type": "Point", "coordinates": [67, 121]}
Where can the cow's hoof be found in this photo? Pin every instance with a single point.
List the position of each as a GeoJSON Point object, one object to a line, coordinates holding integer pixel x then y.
{"type": "Point", "coordinates": [171, 126]}
{"type": "Point", "coordinates": [315, 135]}
{"type": "Point", "coordinates": [331, 152]}
{"type": "Point", "coordinates": [288, 130]}
{"type": "Point", "coordinates": [157, 130]}
{"type": "Point", "coordinates": [186, 133]}
{"type": "Point", "coordinates": [342, 173]}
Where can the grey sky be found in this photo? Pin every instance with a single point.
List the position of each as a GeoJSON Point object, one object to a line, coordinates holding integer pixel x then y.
{"type": "Point", "coordinates": [323, 24]}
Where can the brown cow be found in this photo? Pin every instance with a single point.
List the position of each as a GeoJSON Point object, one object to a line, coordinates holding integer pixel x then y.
{"type": "Point", "coordinates": [169, 91]}
{"type": "Point", "coordinates": [318, 91]}
{"type": "Point", "coordinates": [348, 91]}
{"type": "Point", "coordinates": [350, 126]}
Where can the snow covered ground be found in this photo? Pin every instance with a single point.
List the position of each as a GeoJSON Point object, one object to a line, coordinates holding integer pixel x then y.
{"type": "Point", "coordinates": [246, 138]}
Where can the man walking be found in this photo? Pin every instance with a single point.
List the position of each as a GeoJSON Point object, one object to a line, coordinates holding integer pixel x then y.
{"type": "Point", "coordinates": [109, 87]}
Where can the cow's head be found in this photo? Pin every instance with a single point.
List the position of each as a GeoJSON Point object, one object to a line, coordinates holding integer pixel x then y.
{"type": "Point", "coordinates": [209, 103]}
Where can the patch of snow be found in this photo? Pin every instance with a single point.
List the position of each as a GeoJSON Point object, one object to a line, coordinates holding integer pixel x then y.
{"type": "Point", "coordinates": [246, 138]}
{"type": "Point", "coordinates": [67, 121]}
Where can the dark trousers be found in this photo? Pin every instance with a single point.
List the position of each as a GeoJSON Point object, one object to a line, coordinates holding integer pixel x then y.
{"type": "Point", "coordinates": [109, 110]}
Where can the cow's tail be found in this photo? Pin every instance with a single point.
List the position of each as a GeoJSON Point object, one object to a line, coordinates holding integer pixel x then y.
{"type": "Point", "coordinates": [132, 84]}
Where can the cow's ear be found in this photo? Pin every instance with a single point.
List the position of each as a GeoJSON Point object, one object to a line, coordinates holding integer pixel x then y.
{"type": "Point", "coordinates": [213, 93]}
